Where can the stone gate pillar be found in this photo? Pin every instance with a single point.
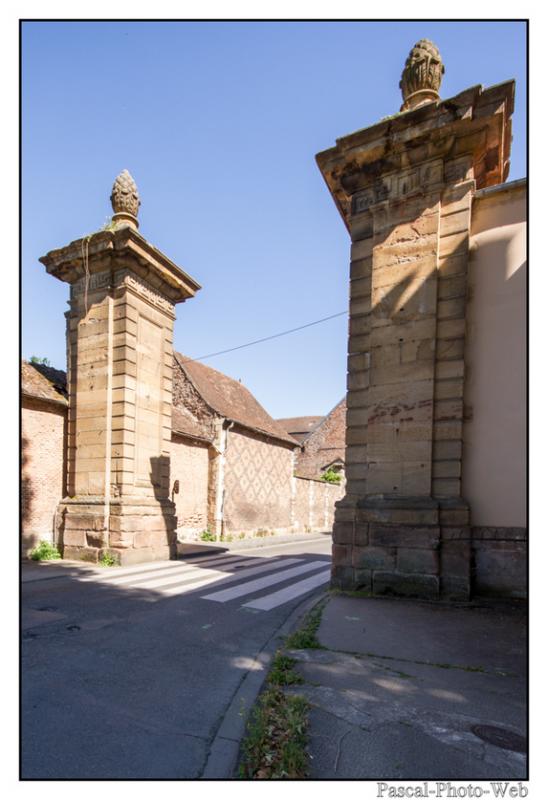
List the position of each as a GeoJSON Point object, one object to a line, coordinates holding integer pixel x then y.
{"type": "Point", "coordinates": [404, 188]}
{"type": "Point", "coordinates": [123, 293]}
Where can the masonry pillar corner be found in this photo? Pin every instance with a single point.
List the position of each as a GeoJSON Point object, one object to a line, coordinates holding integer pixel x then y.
{"type": "Point", "coordinates": [404, 188]}
{"type": "Point", "coordinates": [123, 293]}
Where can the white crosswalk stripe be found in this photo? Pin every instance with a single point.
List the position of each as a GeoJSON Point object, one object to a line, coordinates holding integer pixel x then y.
{"type": "Point", "coordinates": [186, 578]}
{"type": "Point", "coordinates": [228, 573]}
{"type": "Point", "coordinates": [250, 587]}
{"type": "Point", "coordinates": [128, 574]}
{"type": "Point", "coordinates": [227, 578]}
{"type": "Point", "coordinates": [289, 592]}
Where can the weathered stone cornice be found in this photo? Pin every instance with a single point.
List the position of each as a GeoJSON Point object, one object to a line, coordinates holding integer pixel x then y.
{"type": "Point", "coordinates": [474, 123]}
{"type": "Point", "coordinates": [116, 250]}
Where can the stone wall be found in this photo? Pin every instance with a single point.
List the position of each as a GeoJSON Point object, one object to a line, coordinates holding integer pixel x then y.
{"type": "Point", "coordinates": [258, 475]}
{"type": "Point", "coordinates": [499, 565]}
{"type": "Point", "coordinates": [405, 188]}
{"type": "Point", "coordinates": [43, 455]}
{"type": "Point", "coordinates": [314, 504]}
{"type": "Point", "coordinates": [190, 466]}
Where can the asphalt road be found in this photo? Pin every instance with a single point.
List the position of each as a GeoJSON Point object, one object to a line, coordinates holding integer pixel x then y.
{"type": "Point", "coordinates": [128, 673]}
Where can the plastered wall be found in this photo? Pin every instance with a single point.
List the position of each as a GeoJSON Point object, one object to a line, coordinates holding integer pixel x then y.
{"type": "Point", "coordinates": [494, 459]}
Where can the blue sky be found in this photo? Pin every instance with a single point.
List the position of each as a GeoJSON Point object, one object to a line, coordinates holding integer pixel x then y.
{"type": "Point", "coordinates": [219, 124]}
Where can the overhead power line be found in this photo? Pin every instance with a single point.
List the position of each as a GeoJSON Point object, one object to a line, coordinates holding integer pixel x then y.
{"type": "Point", "coordinates": [266, 338]}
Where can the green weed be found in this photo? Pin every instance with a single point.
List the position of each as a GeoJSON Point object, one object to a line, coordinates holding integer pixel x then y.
{"type": "Point", "coordinates": [274, 747]}
{"type": "Point", "coordinates": [108, 560]}
{"type": "Point", "coordinates": [305, 637]}
{"type": "Point", "coordinates": [45, 551]}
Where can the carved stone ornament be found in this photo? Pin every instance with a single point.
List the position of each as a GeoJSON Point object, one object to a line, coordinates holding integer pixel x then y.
{"type": "Point", "coordinates": [421, 76]}
{"type": "Point", "coordinates": [125, 197]}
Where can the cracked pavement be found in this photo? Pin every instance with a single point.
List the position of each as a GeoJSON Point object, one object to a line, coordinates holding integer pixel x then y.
{"type": "Point", "coordinates": [401, 684]}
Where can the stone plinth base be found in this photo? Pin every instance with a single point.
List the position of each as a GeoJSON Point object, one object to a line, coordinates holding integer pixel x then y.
{"type": "Point", "coordinates": [417, 547]}
{"type": "Point", "coordinates": [130, 529]}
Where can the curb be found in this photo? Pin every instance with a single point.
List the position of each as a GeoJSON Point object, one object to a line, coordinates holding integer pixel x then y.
{"type": "Point", "coordinates": [205, 548]}
{"type": "Point", "coordinates": [223, 754]}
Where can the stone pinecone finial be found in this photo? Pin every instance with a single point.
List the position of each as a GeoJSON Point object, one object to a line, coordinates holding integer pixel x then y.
{"type": "Point", "coordinates": [125, 197]}
{"type": "Point", "coordinates": [421, 76]}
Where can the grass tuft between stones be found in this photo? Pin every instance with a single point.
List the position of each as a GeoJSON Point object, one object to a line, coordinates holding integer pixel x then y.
{"type": "Point", "coordinates": [282, 672]}
{"type": "Point", "coordinates": [306, 636]}
{"type": "Point", "coordinates": [45, 551]}
{"type": "Point", "coordinates": [274, 747]}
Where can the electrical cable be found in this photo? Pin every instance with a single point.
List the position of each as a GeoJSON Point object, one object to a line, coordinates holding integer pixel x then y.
{"type": "Point", "coordinates": [266, 338]}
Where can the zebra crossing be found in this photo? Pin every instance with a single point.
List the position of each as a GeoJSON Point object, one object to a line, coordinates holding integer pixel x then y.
{"type": "Point", "coordinates": [232, 578]}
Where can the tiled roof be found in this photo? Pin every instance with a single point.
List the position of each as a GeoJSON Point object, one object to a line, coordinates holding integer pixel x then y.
{"type": "Point", "coordinates": [299, 427]}
{"type": "Point", "coordinates": [230, 399]}
{"type": "Point", "coordinates": [44, 383]}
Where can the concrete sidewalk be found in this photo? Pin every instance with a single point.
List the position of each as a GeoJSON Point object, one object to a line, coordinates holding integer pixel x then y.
{"type": "Point", "coordinates": [411, 690]}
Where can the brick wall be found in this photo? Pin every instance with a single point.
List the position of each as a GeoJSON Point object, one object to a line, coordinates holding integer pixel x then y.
{"type": "Point", "coordinates": [258, 477]}
{"type": "Point", "coordinates": [190, 466]}
{"type": "Point", "coordinates": [43, 444]}
{"type": "Point", "coordinates": [186, 397]}
{"type": "Point", "coordinates": [325, 444]}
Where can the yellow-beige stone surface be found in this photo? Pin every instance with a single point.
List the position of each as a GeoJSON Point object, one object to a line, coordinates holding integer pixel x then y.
{"type": "Point", "coordinates": [405, 188]}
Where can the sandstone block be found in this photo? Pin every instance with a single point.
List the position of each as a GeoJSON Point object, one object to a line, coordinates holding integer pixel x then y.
{"type": "Point", "coordinates": [74, 538]}
{"type": "Point", "coordinates": [448, 410]}
{"type": "Point", "coordinates": [361, 533]}
{"type": "Point", "coordinates": [362, 580]}
{"type": "Point", "coordinates": [358, 344]}
{"type": "Point", "coordinates": [452, 286]}
{"type": "Point", "coordinates": [360, 288]}
{"type": "Point", "coordinates": [455, 264]}
{"type": "Point", "coordinates": [500, 571]}
{"type": "Point", "coordinates": [356, 455]}
{"type": "Point", "coordinates": [356, 435]}
{"type": "Point", "coordinates": [81, 554]}
{"type": "Point", "coordinates": [453, 587]}
{"type": "Point", "coordinates": [393, 306]}
{"type": "Point", "coordinates": [359, 326]}
{"type": "Point", "coordinates": [447, 429]}
{"type": "Point", "coordinates": [456, 558]}
{"type": "Point", "coordinates": [342, 577]}
{"type": "Point", "coordinates": [362, 248]}
{"type": "Point", "coordinates": [90, 521]}
{"type": "Point", "coordinates": [446, 469]}
{"type": "Point", "coordinates": [454, 244]}
{"type": "Point", "coordinates": [446, 487]}
{"type": "Point", "coordinates": [413, 560]}
{"type": "Point", "coordinates": [361, 226]}
{"type": "Point", "coordinates": [457, 222]}
{"type": "Point", "coordinates": [360, 268]}
{"type": "Point", "coordinates": [358, 380]}
{"type": "Point", "coordinates": [409, 585]}
{"type": "Point", "coordinates": [452, 309]}
{"type": "Point", "coordinates": [447, 450]}
{"type": "Point", "coordinates": [96, 538]}
{"type": "Point", "coordinates": [359, 305]}
{"type": "Point", "coordinates": [451, 328]}
{"type": "Point", "coordinates": [143, 554]}
{"type": "Point", "coordinates": [404, 536]}
{"type": "Point", "coordinates": [372, 558]}
{"type": "Point", "coordinates": [342, 555]}
{"type": "Point", "coordinates": [343, 533]}
{"type": "Point", "coordinates": [155, 538]}
{"type": "Point", "coordinates": [403, 331]}
{"type": "Point", "coordinates": [356, 398]}
{"type": "Point", "coordinates": [449, 369]}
